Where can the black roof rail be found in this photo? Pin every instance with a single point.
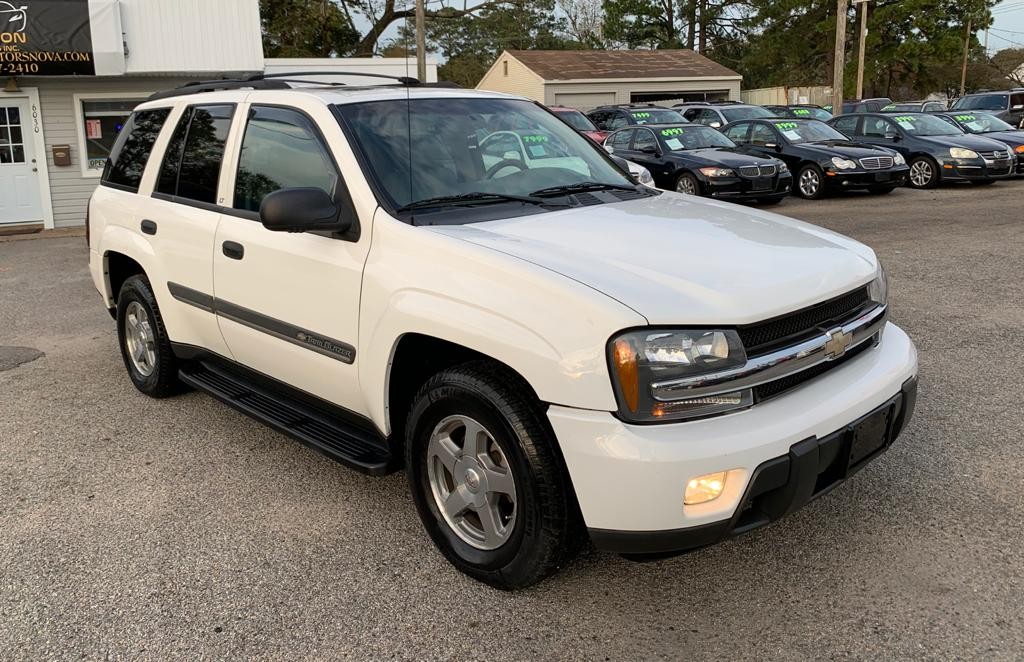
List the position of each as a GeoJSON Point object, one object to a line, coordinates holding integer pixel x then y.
{"type": "Point", "coordinates": [278, 81]}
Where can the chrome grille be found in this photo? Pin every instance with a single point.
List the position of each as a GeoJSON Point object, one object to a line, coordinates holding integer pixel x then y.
{"type": "Point", "coordinates": [757, 171]}
{"type": "Point", "coordinates": [995, 156]}
{"type": "Point", "coordinates": [876, 162]}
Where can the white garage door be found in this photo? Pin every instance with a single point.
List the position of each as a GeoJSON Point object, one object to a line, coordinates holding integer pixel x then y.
{"type": "Point", "coordinates": [584, 100]}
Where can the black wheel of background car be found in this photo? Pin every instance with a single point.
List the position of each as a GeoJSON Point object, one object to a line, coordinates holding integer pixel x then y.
{"type": "Point", "coordinates": [924, 173]}
{"type": "Point", "coordinates": [487, 477]}
{"type": "Point", "coordinates": [881, 190]}
{"type": "Point", "coordinates": [145, 347]}
{"type": "Point", "coordinates": [687, 183]}
{"type": "Point", "coordinates": [983, 182]}
{"type": "Point", "coordinates": [501, 165]}
{"type": "Point", "coordinates": [810, 182]}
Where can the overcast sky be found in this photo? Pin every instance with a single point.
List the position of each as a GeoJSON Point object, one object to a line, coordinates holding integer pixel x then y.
{"type": "Point", "coordinates": [1008, 29]}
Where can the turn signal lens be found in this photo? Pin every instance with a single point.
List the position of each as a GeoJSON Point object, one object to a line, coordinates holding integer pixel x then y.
{"type": "Point", "coordinates": [629, 375]}
{"type": "Point", "coordinates": [704, 488]}
{"type": "Point", "coordinates": [1019, 149]}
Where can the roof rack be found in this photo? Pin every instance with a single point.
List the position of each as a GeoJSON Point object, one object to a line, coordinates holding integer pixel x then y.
{"type": "Point", "coordinates": [278, 81]}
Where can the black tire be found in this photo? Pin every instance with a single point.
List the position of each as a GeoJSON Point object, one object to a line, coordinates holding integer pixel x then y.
{"type": "Point", "coordinates": [983, 182]}
{"type": "Point", "coordinates": [881, 190]}
{"type": "Point", "coordinates": [805, 191]}
{"type": "Point", "coordinates": [546, 532]}
{"type": "Point", "coordinates": [688, 184]}
{"type": "Point", "coordinates": [163, 380]}
{"type": "Point", "coordinates": [926, 163]}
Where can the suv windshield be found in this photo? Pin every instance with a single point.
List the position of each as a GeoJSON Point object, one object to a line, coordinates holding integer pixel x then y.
{"type": "Point", "coordinates": [746, 113]}
{"type": "Point", "coordinates": [981, 123]}
{"type": "Point", "coordinates": [808, 132]}
{"type": "Point", "coordinates": [656, 116]}
{"type": "Point", "coordinates": [576, 120]}
{"type": "Point", "coordinates": [925, 125]}
{"type": "Point", "coordinates": [693, 136]}
{"type": "Point", "coordinates": [983, 102]}
{"type": "Point", "coordinates": [423, 149]}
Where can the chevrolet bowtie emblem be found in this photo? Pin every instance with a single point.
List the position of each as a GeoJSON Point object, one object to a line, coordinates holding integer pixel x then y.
{"type": "Point", "coordinates": [838, 341]}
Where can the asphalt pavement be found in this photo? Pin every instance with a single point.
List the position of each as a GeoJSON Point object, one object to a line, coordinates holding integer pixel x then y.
{"type": "Point", "coordinates": [179, 529]}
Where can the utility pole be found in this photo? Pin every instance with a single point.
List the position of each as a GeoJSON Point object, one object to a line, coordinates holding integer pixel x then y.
{"type": "Point", "coordinates": [863, 4]}
{"type": "Point", "coordinates": [963, 70]}
{"type": "Point", "coordinates": [421, 41]}
{"type": "Point", "coordinates": [840, 57]}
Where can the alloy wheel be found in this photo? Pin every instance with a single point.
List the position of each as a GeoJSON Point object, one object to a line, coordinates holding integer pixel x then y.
{"type": "Point", "coordinates": [471, 482]}
{"type": "Point", "coordinates": [686, 185]}
{"type": "Point", "coordinates": [810, 182]}
{"type": "Point", "coordinates": [139, 336]}
{"type": "Point", "coordinates": [921, 173]}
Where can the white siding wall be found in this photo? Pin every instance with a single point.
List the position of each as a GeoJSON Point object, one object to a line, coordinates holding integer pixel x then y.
{"type": "Point", "coordinates": [169, 36]}
{"type": "Point", "coordinates": [69, 190]}
{"type": "Point", "coordinates": [520, 80]}
{"type": "Point", "coordinates": [622, 90]}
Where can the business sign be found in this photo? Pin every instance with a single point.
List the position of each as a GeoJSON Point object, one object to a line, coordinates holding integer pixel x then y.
{"type": "Point", "coordinates": [59, 38]}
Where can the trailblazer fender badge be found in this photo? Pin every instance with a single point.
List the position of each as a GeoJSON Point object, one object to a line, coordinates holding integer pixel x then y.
{"type": "Point", "coordinates": [838, 342]}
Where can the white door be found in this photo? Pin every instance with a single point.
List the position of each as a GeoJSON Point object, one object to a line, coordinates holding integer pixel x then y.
{"type": "Point", "coordinates": [19, 176]}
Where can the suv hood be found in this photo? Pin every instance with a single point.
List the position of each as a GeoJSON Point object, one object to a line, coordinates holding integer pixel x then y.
{"type": "Point", "coordinates": [676, 259]}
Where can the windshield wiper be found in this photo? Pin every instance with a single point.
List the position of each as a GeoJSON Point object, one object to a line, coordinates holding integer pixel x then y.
{"type": "Point", "coordinates": [581, 187]}
{"type": "Point", "coordinates": [470, 199]}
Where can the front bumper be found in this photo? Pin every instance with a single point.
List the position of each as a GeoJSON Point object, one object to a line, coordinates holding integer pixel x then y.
{"type": "Point", "coordinates": [747, 188]}
{"type": "Point", "coordinates": [968, 169]}
{"type": "Point", "coordinates": [630, 479]}
{"type": "Point", "coordinates": [855, 179]}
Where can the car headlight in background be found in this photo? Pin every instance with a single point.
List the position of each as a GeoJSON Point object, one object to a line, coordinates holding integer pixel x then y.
{"type": "Point", "coordinates": [640, 360]}
{"type": "Point", "coordinates": [716, 172]}
{"type": "Point", "coordinates": [1019, 149]}
{"type": "Point", "coordinates": [961, 153]}
{"type": "Point", "coordinates": [644, 177]}
{"type": "Point", "coordinates": [898, 159]}
{"type": "Point", "coordinates": [878, 290]}
{"type": "Point", "coordinates": [843, 164]}
{"type": "Point", "coordinates": [782, 166]}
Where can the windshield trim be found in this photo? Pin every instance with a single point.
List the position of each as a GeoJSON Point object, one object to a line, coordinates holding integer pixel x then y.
{"type": "Point", "coordinates": [383, 198]}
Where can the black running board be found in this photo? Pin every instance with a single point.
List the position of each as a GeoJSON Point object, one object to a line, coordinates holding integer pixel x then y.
{"type": "Point", "coordinates": [360, 449]}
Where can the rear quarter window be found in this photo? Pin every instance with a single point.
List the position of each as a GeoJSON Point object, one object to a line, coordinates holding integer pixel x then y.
{"type": "Point", "coordinates": [131, 150]}
{"type": "Point", "coordinates": [191, 167]}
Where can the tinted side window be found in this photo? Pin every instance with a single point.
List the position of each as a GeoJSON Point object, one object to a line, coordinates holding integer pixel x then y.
{"type": "Point", "coordinates": [847, 125]}
{"type": "Point", "coordinates": [599, 118]}
{"type": "Point", "coordinates": [198, 141]}
{"type": "Point", "coordinates": [281, 149]}
{"type": "Point", "coordinates": [762, 135]}
{"type": "Point", "coordinates": [738, 133]}
{"type": "Point", "coordinates": [644, 139]}
{"type": "Point", "coordinates": [620, 139]}
{"type": "Point", "coordinates": [130, 152]}
{"type": "Point", "coordinates": [617, 121]}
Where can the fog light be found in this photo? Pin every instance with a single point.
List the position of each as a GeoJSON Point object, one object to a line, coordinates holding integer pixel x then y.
{"type": "Point", "coordinates": [704, 488]}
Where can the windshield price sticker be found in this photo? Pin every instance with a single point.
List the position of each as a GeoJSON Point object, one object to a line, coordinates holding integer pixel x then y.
{"type": "Point", "coordinates": [891, 106]}
{"type": "Point", "coordinates": [965, 118]}
{"type": "Point", "coordinates": [905, 121]}
{"type": "Point", "coordinates": [786, 126]}
{"type": "Point", "coordinates": [672, 132]}
{"type": "Point", "coordinates": [535, 139]}
{"type": "Point", "coordinates": [801, 111]}
{"type": "Point", "coordinates": [640, 116]}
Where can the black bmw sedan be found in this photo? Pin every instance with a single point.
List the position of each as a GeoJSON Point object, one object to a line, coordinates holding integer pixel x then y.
{"type": "Point", "coordinates": [983, 124]}
{"type": "Point", "coordinates": [821, 158]}
{"type": "Point", "coordinates": [936, 150]}
{"type": "Point", "coordinates": [696, 159]}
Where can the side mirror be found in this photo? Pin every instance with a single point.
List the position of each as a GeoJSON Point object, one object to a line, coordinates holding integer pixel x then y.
{"type": "Point", "coordinates": [650, 149]}
{"type": "Point", "coordinates": [1019, 106]}
{"type": "Point", "coordinates": [715, 125]}
{"type": "Point", "coordinates": [774, 146]}
{"type": "Point", "coordinates": [302, 210]}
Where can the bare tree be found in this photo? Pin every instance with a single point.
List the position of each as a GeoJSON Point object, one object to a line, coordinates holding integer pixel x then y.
{"type": "Point", "coordinates": [585, 19]}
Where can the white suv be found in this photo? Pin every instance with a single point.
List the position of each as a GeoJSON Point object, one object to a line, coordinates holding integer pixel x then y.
{"type": "Point", "coordinates": [550, 350]}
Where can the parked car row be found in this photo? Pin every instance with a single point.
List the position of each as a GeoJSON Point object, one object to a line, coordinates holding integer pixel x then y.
{"type": "Point", "coordinates": [745, 152]}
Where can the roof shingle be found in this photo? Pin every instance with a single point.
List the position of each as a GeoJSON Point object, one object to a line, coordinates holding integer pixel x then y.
{"type": "Point", "coordinates": [667, 63]}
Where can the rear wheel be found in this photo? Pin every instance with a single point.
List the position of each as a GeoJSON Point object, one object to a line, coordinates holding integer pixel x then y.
{"type": "Point", "coordinates": [687, 183]}
{"type": "Point", "coordinates": [487, 478]}
{"type": "Point", "coordinates": [924, 173]}
{"type": "Point", "coordinates": [145, 347]}
{"type": "Point", "coordinates": [810, 182]}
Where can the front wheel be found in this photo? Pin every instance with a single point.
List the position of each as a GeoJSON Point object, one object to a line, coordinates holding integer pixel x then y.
{"type": "Point", "coordinates": [687, 183]}
{"type": "Point", "coordinates": [924, 173]}
{"type": "Point", "coordinates": [487, 478]}
{"type": "Point", "coordinates": [810, 182]}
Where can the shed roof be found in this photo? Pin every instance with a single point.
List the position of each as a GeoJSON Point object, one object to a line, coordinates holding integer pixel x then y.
{"type": "Point", "coordinates": [575, 65]}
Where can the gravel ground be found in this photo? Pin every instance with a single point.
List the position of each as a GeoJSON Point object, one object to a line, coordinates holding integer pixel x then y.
{"type": "Point", "coordinates": [133, 528]}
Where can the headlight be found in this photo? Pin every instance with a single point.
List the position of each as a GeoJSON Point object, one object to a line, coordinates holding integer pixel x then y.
{"type": "Point", "coordinates": [961, 153]}
{"type": "Point", "coordinates": [843, 164]}
{"type": "Point", "coordinates": [644, 177]}
{"type": "Point", "coordinates": [717, 172]}
{"type": "Point", "coordinates": [898, 159]}
{"type": "Point", "coordinates": [783, 167]}
{"type": "Point", "coordinates": [878, 290]}
{"type": "Point", "coordinates": [641, 359]}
